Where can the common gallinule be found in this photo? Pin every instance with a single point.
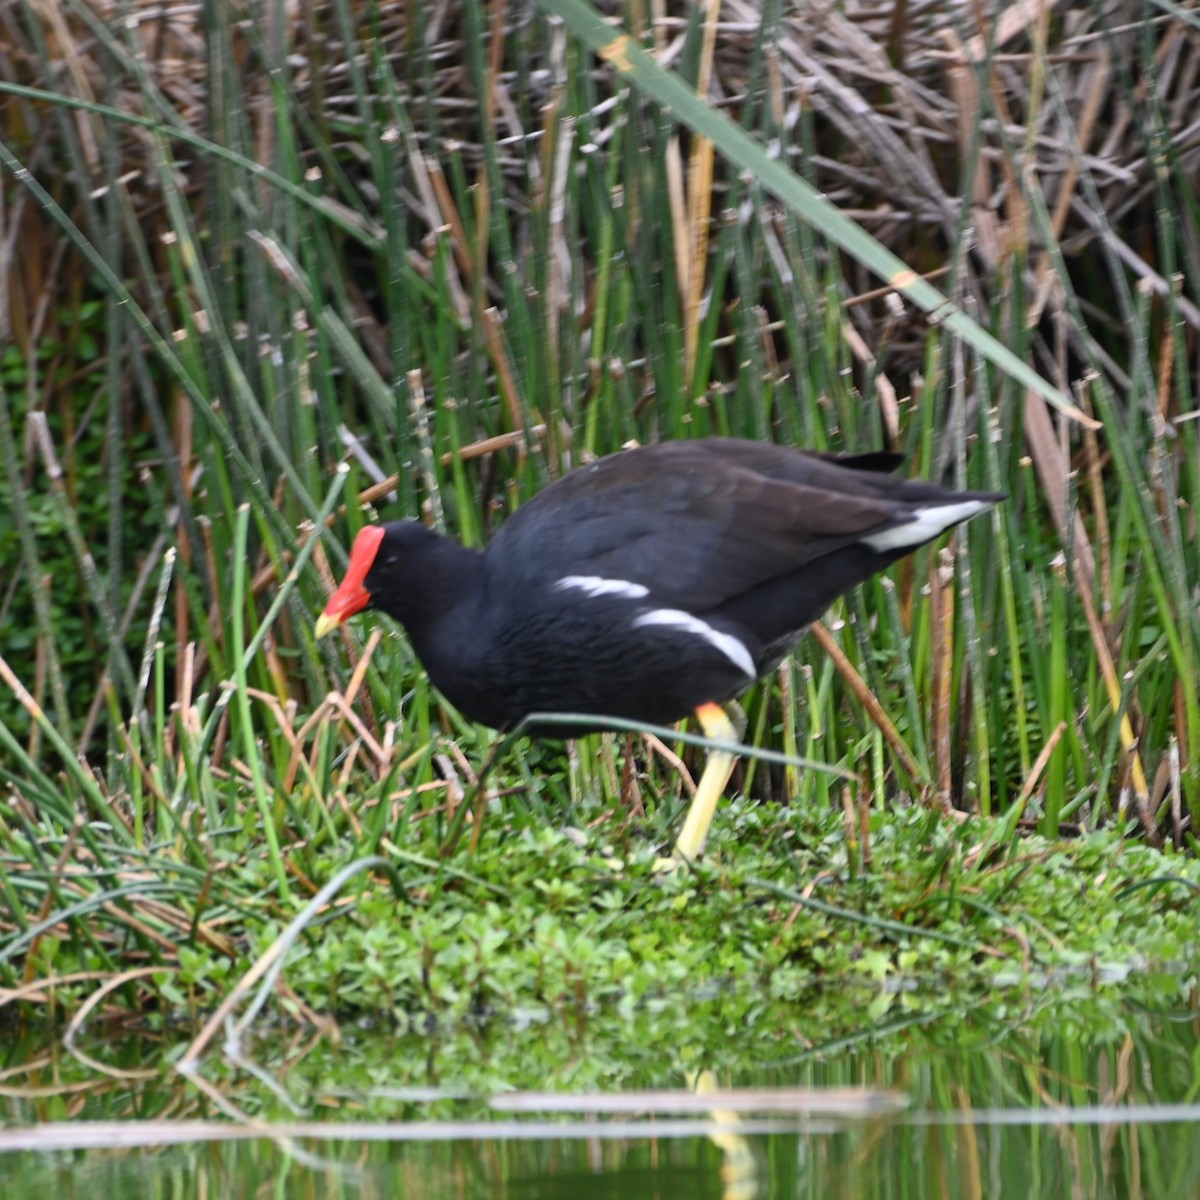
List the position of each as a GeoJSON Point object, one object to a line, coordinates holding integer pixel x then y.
{"type": "Point", "coordinates": [650, 585]}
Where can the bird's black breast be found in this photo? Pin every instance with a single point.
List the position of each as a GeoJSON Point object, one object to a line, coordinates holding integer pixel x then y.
{"type": "Point", "coordinates": [568, 652]}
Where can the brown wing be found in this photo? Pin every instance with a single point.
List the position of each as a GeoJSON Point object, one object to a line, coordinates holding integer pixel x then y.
{"type": "Point", "coordinates": [697, 523]}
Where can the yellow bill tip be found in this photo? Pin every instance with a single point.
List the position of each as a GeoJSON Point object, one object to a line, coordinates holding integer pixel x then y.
{"type": "Point", "coordinates": [325, 624]}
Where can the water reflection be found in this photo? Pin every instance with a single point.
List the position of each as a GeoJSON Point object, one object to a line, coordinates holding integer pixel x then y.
{"type": "Point", "coordinates": [741, 1178]}
{"type": "Point", "coordinates": [1072, 1108]}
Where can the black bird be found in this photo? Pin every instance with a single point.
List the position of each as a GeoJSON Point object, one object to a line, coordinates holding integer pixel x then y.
{"type": "Point", "coordinates": [650, 585]}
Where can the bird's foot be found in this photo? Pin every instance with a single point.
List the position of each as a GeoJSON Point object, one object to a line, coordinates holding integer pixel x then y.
{"type": "Point", "coordinates": [668, 864]}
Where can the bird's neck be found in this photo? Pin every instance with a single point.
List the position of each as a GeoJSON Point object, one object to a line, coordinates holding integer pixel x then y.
{"type": "Point", "coordinates": [439, 593]}
{"type": "Point", "coordinates": [437, 586]}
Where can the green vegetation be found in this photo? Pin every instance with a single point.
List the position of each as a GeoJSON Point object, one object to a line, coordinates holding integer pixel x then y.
{"type": "Point", "coordinates": [461, 273]}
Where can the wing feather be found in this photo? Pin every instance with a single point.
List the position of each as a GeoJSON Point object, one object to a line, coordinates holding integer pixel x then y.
{"type": "Point", "coordinates": [694, 526]}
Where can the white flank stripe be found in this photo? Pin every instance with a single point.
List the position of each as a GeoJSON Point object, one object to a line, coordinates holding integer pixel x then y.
{"type": "Point", "coordinates": [728, 645]}
{"type": "Point", "coordinates": [597, 585]}
{"type": "Point", "coordinates": [925, 525]}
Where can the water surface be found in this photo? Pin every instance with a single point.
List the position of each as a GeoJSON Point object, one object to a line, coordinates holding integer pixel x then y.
{"type": "Point", "coordinates": [1075, 1097]}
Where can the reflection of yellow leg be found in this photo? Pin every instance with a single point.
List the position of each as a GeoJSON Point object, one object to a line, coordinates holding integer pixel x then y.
{"type": "Point", "coordinates": [739, 1172]}
{"type": "Point", "coordinates": [721, 726]}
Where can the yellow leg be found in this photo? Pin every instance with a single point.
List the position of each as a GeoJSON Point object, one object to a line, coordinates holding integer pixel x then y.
{"type": "Point", "coordinates": [721, 726]}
